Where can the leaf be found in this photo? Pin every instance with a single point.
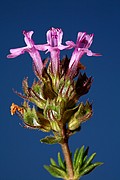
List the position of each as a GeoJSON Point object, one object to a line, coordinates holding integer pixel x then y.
{"type": "Point", "coordinates": [85, 154]}
{"type": "Point", "coordinates": [89, 160]}
{"type": "Point", "coordinates": [51, 140]}
{"type": "Point", "coordinates": [83, 165]}
{"type": "Point", "coordinates": [75, 157]}
{"type": "Point", "coordinates": [90, 168]}
{"type": "Point", "coordinates": [56, 171]}
{"type": "Point", "coordinates": [79, 159]}
{"type": "Point", "coordinates": [53, 162]}
{"type": "Point", "coordinates": [60, 162]}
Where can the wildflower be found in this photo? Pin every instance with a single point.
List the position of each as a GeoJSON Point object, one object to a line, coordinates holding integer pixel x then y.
{"type": "Point", "coordinates": [54, 40]}
{"type": "Point", "coordinates": [30, 48]}
{"type": "Point", "coordinates": [82, 45]}
{"type": "Point", "coordinates": [56, 96]}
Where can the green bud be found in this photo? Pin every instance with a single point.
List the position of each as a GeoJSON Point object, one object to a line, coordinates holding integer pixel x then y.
{"type": "Point", "coordinates": [66, 89]}
{"type": "Point", "coordinates": [30, 117]}
{"type": "Point", "coordinates": [55, 126]}
{"type": "Point", "coordinates": [68, 114]}
{"type": "Point", "coordinates": [83, 113]}
{"type": "Point", "coordinates": [47, 86]}
{"type": "Point", "coordinates": [52, 110]}
{"type": "Point", "coordinates": [34, 119]}
{"type": "Point", "coordinates": [33, 94]}
{"type": "Point", "coordinates": [44, 123]}
{"type": "Point", "coordinates": [73, 124]}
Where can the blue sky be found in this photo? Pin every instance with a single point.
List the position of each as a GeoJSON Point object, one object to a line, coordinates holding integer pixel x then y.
{"type": "Point", "coordinates": [21, 154]}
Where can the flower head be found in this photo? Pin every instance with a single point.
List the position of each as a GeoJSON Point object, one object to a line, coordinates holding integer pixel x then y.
{"type": "Point", "coordinates": [82, 45]}
{"type": "Point", "coordinates": [30, 48]}
{"type": "Point", "coordinates": [54, 40]}
{"type": "Point", "coordinates": [54, 37]}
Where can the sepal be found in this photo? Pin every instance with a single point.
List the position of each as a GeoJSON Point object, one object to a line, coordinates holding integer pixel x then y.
{"type": "Point", "coordinates": [68, 114]}
{"type": "Point", "coordinates": [33, 119]}
{"type": "Point", "coordinates": [66, 88]}
{"type": "Point", "coordinates": [81, 87]}
{"type": "Point", "coordinates": [48, 90]}
{"type": "Point", "coordinates": [33, 94]}
{"type": "Point", "coordinates": [83, 84]}
{"type": "Point", "coordinates": [55, 126]}
{"type": "Point", "coordinates": [52, 110]}
{"type": "Point", "coordinates": [30, 117]}
{"type": "Point", "coordinates": [83, 113]}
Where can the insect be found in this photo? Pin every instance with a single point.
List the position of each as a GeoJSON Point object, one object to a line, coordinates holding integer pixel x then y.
{"type": "Point", "coordinates": [15, 108]}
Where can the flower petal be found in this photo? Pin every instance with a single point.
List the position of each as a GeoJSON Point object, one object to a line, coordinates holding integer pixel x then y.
{"type": "Point", "coordinates": [54, 37]}
{"type": "Point", "coordinates": [71, 44]}
{"type": "Point", "coordinates": [80, 36]}
{"type": "Point", "coordinates": [27, 38]}
{"type": "Point", "coordinates": [42, 47]}
{"type": "Point", "coordinates": [16, 52]}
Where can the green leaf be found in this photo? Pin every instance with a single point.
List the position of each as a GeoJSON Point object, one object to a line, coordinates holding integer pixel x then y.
{"type": "Point", "coordinates": [90, 168]}
{"type": "Point", "coordinates": [53, 162]}
{"type": "Point", "coordinates": [79, 159]}
{"type": "Point", "coordinates": [51, 140]}
{"type": "Point", "coordinates": [83, 165]}
{"type": "Point", "coordinates": [60, 162]}
{"type": "Point", "coordinates": [75, 157]}
{"type": "Point", "coordinates": [85, 154]}
{"type": "Point", "coordinates": [89, 160]}
{"type": "Point", "coordinates": [56, 171]}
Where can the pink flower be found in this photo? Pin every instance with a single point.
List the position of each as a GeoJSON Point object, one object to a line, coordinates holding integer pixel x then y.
{"type": "Point", "coordinates": [83, 42]}
{"type": "Point", "coordinates": [30, 48]}
{"type": "Point", "coordinates": [54, 40]}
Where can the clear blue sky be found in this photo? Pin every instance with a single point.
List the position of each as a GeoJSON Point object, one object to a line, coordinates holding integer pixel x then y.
{"type": "Point", "coordinates": [21, 154]}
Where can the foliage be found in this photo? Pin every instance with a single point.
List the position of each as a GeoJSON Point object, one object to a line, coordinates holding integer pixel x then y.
{"type": "Point", "coordinates": [82, 165]}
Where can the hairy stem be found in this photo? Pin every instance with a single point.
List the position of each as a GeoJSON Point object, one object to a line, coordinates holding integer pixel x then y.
{"type": "Point", "coordinates": [67, 156]}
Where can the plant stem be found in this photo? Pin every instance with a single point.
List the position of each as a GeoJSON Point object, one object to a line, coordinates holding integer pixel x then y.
{"type": "Point", "coordinates": [67, 155]}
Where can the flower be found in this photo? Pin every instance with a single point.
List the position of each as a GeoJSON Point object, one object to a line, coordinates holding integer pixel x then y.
{"type": "Point", "coordinates": [30, 48]}
{"type": "Point", "coordinates": [54, 40]}
{"type": "Point", "coordinates": [82, 45]}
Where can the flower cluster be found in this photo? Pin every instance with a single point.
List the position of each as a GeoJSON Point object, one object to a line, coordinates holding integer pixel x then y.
{"type": "Point", "coordinates": [56, 92]}
{"type": "Point", "coordinates": [54, 45]}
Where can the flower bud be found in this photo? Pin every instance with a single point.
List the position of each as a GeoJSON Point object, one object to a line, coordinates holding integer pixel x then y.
{"type": "Point", "coordinates": [83, 113]}
{"type": "Point", "coordinates": [73, 124]}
